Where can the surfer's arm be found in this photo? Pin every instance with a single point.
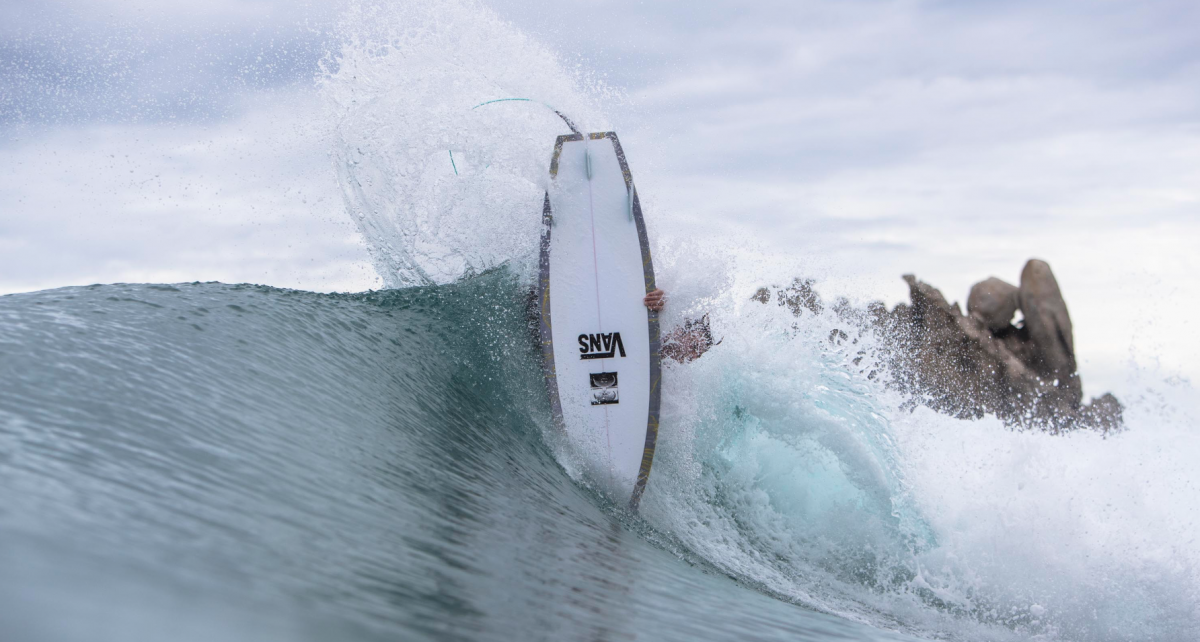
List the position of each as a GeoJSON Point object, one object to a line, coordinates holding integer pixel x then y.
{"type": "Point", "coordinates": [655, 300]}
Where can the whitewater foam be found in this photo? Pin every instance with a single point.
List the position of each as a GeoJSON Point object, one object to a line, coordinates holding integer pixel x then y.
{"type": "Point", "coordinates": [788, 462]}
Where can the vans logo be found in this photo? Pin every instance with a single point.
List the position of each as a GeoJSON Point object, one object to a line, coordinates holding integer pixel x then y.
{"type": "Point", "coordinates": [600, 346]}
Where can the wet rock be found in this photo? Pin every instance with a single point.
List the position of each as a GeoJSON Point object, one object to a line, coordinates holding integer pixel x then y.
{"type": "Point", "coordinates": [1104, 413]}
{"type": "Point", "coordinates": [952, 362]}
{"type": "Point", "coordinates": [994, 302]}
{"type": "Point", "coordinates": [800, 296]}
{"type": "Point", "coordinates": [1050, 331]}
{"type": "Point", "coordinates": [970, 365]}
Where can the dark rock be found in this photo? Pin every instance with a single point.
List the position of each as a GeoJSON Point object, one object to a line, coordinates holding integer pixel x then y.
{"type": "Point", "coordinates": [993, 302]}
{"type": "Point", "coordinates": [800, 295]}
{"type": "Point", "coordinates": [952, 362]}
{"type": "Point", "coordinates": [1049, 327]}
{"type": "Point", "coordinates": [968, 367]}
{"type": "Point", "coordinates": [976, 364]}
{"type": "Point", "coordinates": [1104, 413]}
{"type": "Point", "coordinates": [1016, 341]}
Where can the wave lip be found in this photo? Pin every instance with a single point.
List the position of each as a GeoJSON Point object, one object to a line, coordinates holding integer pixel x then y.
{"type": "Point", "coordinates": [440, 189]}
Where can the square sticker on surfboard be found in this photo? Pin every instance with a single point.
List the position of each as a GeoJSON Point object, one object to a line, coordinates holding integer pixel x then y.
{"type": "Point", "coordinates": [604, 388]}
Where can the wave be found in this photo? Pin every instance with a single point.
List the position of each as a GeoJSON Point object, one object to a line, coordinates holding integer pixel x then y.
{"type": "Point", "coordinates": [794, 466]}
{"type": "Point", "coordinates": [384, 463]}
{"type": "Point", "coordinates": [244, 462]}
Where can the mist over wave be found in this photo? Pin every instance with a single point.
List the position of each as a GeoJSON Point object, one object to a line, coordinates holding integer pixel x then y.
{"type": "Point", "coordinates": [789, 465]}
{"type": "Point", "coordinates": [440, 183]}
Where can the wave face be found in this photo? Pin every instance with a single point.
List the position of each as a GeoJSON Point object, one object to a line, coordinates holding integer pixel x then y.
{"type": "Point", "coordinates": [209, 461]}
{"type": "Point", "coordinates": [206, 460]}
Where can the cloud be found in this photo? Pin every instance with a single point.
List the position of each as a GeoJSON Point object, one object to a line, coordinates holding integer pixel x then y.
{"type": "Point", "coordinates": [65, 63]}
{"type": "Point", "coordinates": [246, 200]}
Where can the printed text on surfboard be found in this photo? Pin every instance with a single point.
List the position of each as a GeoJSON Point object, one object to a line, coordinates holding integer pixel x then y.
{"type": "Point", "coordinates": [600, 346]}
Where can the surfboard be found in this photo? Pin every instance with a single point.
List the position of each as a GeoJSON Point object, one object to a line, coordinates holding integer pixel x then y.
{"type": "Point", "coordinates": [600, 344]}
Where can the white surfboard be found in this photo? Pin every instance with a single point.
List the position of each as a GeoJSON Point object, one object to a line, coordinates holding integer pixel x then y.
{"type": "Point", "coordinates": [600, 344]}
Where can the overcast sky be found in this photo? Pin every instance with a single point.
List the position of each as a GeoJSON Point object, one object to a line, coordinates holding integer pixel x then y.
{"type": "Point", "coordinates": [149, 141]}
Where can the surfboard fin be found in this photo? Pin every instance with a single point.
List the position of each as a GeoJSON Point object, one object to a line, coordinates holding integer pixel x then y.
{"type": "Point", "coordinates": [587, 162]}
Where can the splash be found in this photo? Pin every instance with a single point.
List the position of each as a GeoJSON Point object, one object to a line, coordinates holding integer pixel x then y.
{"type": "Point", "coordinates": [792, 465]}
{"type": "Point", "coordinates": [443, 179]}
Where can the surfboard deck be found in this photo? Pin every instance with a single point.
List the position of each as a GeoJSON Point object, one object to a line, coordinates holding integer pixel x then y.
{"type": "Point", "coordinates": [600, 344]}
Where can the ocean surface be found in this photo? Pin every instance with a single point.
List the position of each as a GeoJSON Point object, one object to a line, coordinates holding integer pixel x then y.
{"type": "Point", "coordinates": [208, 461]}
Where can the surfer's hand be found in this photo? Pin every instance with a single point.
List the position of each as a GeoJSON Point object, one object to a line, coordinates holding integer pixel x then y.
{"type": "Point", "coordinates": [655, 300]}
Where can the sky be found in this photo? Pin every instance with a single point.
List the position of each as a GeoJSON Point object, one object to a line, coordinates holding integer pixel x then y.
{"type": "Point", "coordinates": [860, 140]}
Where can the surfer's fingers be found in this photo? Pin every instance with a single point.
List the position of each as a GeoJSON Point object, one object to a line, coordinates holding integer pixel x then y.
{"type": "Point", "coordinates": [655, 300]}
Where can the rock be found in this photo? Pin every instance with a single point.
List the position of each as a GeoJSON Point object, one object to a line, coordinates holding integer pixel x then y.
{"type": "Point", "coordinates": [800, 296]}
{"type": "Point", "coordinates": [1049, 327]}
{"type": "Point", "coordinates": [1104, 413]}
{"type": "Point", "coordinates": [964, 366]}
{"type": "Point", "coordinates": [993, 302]}
{"type": "Point", "coordinates": [975, 364]}
{"type": "Point", "coordinates": [952, 362]}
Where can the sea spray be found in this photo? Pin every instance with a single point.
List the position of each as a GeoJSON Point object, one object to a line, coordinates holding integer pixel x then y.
{"type": "Point", "coordinates": [436, 172]}
{"type": "Point", "coordinates": [790, 462]}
